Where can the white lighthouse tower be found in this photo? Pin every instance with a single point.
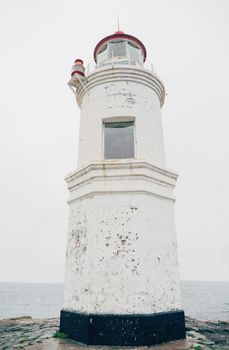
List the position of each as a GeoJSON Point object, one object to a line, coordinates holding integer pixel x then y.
{"type": "Point", "coordinates": [121, 282]}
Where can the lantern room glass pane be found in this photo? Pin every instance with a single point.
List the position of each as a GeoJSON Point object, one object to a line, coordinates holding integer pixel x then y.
{"type": "Point", "coordinates": [135, 54]}
{"type": "Point", "coordinates": [117, 49]}
{"type": "Point", "coordinates": [119, 140]}
{"type": "Point", "coordinates": [102, 56]}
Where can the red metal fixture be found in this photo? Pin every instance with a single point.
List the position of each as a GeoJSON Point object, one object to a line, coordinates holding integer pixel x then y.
{"type": "Point", "coordinates": [78, 68]}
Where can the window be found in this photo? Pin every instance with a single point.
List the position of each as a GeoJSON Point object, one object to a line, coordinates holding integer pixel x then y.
{"type": "Point", "coordinates": [117, 49]}
{"type": "Point", "coordinates": [119, 140]}
{"type": "Point", "coordinates": [135, 54]}
{"type": "Point", "coordinates": [102, 56]}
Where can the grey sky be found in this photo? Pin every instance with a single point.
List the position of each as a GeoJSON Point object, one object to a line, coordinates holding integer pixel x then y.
{"type": "Point", "coordinates": [187, 41]}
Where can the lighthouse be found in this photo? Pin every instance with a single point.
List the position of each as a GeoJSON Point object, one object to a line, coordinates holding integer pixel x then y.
{"type": "Point", "coordinates": [121, 279]}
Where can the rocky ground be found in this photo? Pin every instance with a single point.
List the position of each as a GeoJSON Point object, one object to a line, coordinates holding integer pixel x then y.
{"type": "Point", "coordinates": [38, 334]}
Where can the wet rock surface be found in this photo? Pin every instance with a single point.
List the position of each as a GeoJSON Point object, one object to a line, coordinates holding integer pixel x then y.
{"type": "Point", "coordinates": [19, 333]}
{"type": "Point", "coordinates": [216, 332]}
{"type": "Point", "coordinates": [37, 334]}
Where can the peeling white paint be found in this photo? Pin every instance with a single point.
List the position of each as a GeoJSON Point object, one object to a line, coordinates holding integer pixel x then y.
{"type": "Point", "coordinates": [121, 255]}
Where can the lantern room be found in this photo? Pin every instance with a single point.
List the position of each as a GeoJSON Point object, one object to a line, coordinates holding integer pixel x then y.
{"type": "Point", "coordinates": [120, 48]}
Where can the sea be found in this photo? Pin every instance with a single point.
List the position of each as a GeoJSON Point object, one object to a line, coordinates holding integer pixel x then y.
{"type": "Point", "coordinates": [200, 300]}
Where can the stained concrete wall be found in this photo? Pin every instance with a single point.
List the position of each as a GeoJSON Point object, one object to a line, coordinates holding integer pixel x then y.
{"type": "Point", "coordinates": [121, 255]}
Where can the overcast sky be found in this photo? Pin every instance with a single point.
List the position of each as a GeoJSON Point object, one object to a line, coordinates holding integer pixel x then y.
{"type": "Point", "coordinates": [188, 43]}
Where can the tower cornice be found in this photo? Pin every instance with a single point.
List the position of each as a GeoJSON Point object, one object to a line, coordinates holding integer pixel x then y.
{"type": "Point", "coordinates": [139, 75]}
{"type": "Point", "coordinates": [121, 176]}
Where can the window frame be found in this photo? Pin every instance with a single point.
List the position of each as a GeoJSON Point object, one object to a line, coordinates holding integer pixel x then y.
{"type": "Point", "coordinates": [119, 119]}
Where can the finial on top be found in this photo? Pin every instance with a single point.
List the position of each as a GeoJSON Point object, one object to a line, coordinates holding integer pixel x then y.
{"type": "Point", "coordinates": [118, 31]}
{"type": "Point", "coordinates": [118, 21]}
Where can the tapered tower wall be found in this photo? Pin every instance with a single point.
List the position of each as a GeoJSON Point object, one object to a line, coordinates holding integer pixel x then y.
{"type": "Point", "coordinates": [126, 260]}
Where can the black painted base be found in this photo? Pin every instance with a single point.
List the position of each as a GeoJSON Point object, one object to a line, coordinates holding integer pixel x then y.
{"type": "Point", "coordinates": [123, 330]}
